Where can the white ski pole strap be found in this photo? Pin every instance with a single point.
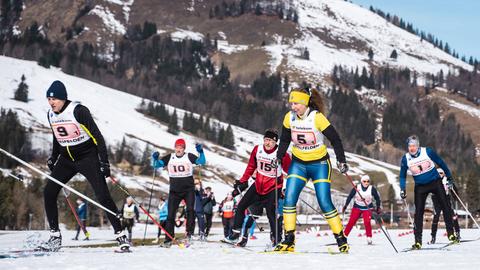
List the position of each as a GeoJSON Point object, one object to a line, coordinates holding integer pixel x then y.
{"type": "Point", "coordinates": [56, 181]}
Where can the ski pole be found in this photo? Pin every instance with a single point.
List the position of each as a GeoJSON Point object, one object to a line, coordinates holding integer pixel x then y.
{"type": "Point", "coordinates": [470, 214]}
{"type": "Point", "coordinates": [79, 222]}
{"type": "Point", "coordinates": [115, 181]}
{"type": "Point", "coordinates": [407, 209]}
{"type": "Point", "coordinates": [26, 164]}
{"type": "Point", "coordinates": [311, 207]}
{"type": "Point", "coordinates": [19, 177]}
{"type": "Point", "coordinates": [384, 230]}
{"type": "Point", "coordinates": [149, 203]}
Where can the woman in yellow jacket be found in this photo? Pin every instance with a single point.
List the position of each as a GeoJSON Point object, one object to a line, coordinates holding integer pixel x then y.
{"type": "Point", "coordinates": [306, 126]}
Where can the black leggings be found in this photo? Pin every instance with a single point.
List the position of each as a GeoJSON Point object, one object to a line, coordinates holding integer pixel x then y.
{"type": "Point", "coordinates": [250, 197]}
{"type": "Point", "coordinates": [208, 223]}
{"type": "Point", "coordinates": [65, 169]}
{"type": "Point", "coordinates": [421, 194]}
{"type": "Point", "coordinates": [174, 199]}
{"type": "Point", "coordinates": [438, 211]}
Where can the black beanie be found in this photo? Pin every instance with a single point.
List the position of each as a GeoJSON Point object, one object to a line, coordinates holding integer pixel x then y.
{"type": "Point", "coordinates": [271, 134]}
{"type": "Point", "coordinates": [57, 90]}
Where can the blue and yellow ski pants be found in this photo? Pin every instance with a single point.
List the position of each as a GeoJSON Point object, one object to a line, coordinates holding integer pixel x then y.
{"type": "Point", "coordinates": [299, 174]}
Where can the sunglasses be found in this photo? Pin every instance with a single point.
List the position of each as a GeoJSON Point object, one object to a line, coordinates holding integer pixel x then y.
{"type": "Point", "coordinates": [365, 181]}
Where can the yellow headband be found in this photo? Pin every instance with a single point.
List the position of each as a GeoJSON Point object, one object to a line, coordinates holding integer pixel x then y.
{"type": "Point", "coordinates": [299, 97]}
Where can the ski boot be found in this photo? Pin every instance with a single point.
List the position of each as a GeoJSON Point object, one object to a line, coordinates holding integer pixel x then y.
{"type": "Point", "coordinates": [433, 240]}
{"type": "Point", "coordinates": [343, 246]}
{"type": "Point", "coordinates": [369, 241]}
{"type": "Point", "coordinates": [243, 242]}
{"type": "Point", "coordinates": [75, 239]}
{"type": "Point", "coordinates": [232, 238]}
{"type": "Point", "coordinates": [122, 242]}
{"type": "Point", "coordinates": [275, 241]}
{"type": "Point", "coordinates": [253, 237]}
{"type": "Point", "coordinates": [453, 239]}
{"type": "Point", "coordinates": [53, 244]}
{"type": "Point", "coordinates": [458, 235]}
{"type": "Point", "coordinates": [417, 245]}
{"type": "Point", "coordinates": [287, 245]}
{"type": "Point", "coordinates": [202, 237]}
{"type": "Point", "coordinates": [166, 244]}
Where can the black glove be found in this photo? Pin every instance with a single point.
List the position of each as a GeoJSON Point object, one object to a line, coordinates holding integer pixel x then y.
{"type": "Point", "coordinates": [199, 148]}
{"type": "Point", "coordinates": [240, 186]}
{"type": "Point", "coordinates": [51, 163]}
{"type": "Point", "coordinates": [403, 194]}
{"type": "Point", "coordinates": [344, 208]}
{"type": "Point", "coordinates": [342, 166]}
{"type": "Point", "coordinates": [378, 210]}
{"type": "Point", "coordinates": [235, 192]}
{"type": "Point", "coordinates": [105, 169]}
{"type": "Point", "coordinates": [450, 182]}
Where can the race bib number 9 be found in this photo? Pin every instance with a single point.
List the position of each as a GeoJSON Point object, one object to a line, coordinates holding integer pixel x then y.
{"type": "Point", "coordinates": [66, 131]}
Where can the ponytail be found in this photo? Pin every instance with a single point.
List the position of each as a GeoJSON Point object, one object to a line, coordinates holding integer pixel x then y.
{"type": "Point", "coordinates": [316, 99]}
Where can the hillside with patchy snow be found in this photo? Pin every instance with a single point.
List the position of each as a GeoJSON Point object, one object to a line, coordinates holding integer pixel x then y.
{"type": "Point", "coordinates": [117, 117]}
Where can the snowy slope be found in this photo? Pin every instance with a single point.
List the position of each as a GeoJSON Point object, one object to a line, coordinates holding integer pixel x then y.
{"type": "Point", "coordinates": [358, 29]}
{"type": "Point", "coordinates": [214, 255]}
{"type": "Point", "coordinates": [116, 115]}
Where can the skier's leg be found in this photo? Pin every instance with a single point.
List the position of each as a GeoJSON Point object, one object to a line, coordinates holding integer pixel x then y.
{"type": "Point", "coordinates": [439, 191]}
{"type": "Point", "coordinates": [208, 225]}
{"type": "Point", "coordinates": [367, 217]}
{"type": "Point", "coordinates": [174, 200]}
{"type": "Point", "coordinates": [296, 181]}
{"type": "Point", "coordinates": [250, 197]}
{"type": "Point", "coordinates": [63, 172]}
{"type": "Point", "coordinates": [90, 168]}
{"type": "Point", "coordinates": [354, 215]}
{"type": "Point", "coordinates": [190, 212]}
{"type": "Point", "coordinates": [436, 216]}
{"type": "Point", "coordinates": [421, 193]}
{"type": "Point", "coordinates": [320, 174]}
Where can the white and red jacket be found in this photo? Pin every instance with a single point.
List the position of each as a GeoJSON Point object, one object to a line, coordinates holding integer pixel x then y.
{"type": "Point", "coordinates": [262, 161]}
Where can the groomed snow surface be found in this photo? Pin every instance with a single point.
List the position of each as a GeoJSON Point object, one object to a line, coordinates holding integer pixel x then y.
{"type": "Point", "coordinates": [221, 256]}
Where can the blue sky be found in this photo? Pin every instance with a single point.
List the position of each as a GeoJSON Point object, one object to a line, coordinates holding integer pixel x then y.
{"type": "Point", "coordinates": [455, 22]}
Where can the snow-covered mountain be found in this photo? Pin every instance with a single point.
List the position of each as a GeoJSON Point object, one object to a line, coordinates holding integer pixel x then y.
{"type": "Point", "coordinates": [335, 32]}
{"type": "Point", "coordinates": [116, 115]}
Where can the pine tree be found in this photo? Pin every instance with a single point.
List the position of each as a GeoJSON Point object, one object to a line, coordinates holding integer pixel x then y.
{"type": "Point", "coordinates": [229, 139]}
{"type": "Point", "coordinates": [394, 54]}
{"type": "Point", "coordinates": [173, 124]}
{"type": "Point", "coordinates": [370, 54]}
{"type": "Point", "coordinates": [21, 94]}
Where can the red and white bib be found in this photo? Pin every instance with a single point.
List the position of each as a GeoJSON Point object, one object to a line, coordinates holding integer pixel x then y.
{"type": "Point", "coordinates": [180, 166]}
{"type": "Point", "coordinates": [228, 209]}
{"type": "Point", "coordinates": [367, 195]}
{"type": "Point", "coordinates": [66, 129]}
{"type": "Point", "coordinates": [265, 163]}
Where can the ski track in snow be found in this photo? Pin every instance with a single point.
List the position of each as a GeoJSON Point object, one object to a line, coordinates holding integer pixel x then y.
{"type": "Point", "coordinates": [221, 256]}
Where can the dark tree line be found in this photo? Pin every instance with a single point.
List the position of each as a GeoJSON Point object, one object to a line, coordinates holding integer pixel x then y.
{"type": "Point", "coordinates": [14, 138]}
{"type": "Point", "coordinates": [257, 7]}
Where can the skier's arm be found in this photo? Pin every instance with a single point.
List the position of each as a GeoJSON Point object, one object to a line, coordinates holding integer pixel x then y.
{"type": "Point", "coordinates": [439, 161]}
{"type": "Point", "coordinates": [83, 116]}
{"type": "Point", "coordinates": [375, 194]}
{"type": "Point", "coordinates": [286, 162]}
{"type": "Point", "coordinates": [200, 160]}
{"type": "Point", "coordinates": [285, 138]}
{"type": "Point", "coordinates": [350, 197]}
{"type": "Point", "coordinates": [251, 166]}
{"type": "Point", "coordinates": [403, 173]}
{"type": "Point", "coordinates": [329, 131]}
{"type": "Point", "coordinates": [137, 214]}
